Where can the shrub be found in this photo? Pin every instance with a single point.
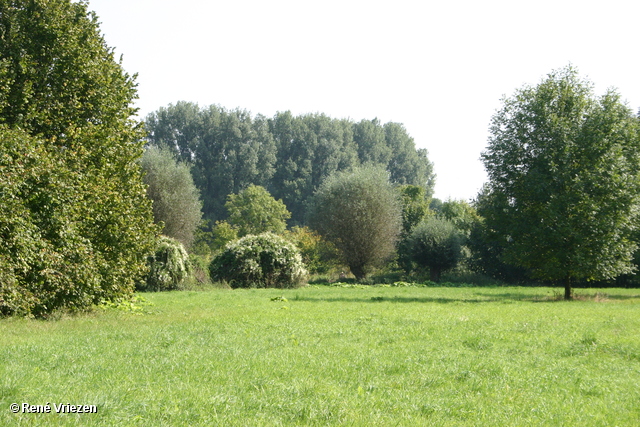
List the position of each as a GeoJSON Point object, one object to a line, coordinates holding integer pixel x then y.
{"type": "Point", "coordinates": [262, 261]}
{"type": "Point", "coordinates": [319, 255]}
{"type": "Point", "coordinates": [169, 266]}
{"type": "Point", "coordinates": [436, 244]}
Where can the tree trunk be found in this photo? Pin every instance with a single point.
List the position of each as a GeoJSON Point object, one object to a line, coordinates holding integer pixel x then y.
{"type": "Point", "coordinates": [359, 272]}
{"type": "Point", "coordinates": [435, 274]}
{"type": "Point", "coordinates": [568, 290]}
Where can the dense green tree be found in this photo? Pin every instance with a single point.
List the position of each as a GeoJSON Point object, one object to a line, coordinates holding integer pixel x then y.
{"type": "Point", "coordinates": [176, 200]}
{"type": "Point", "coordinates": [229, 150]}
{"type": "Point", "coordinates": [415, 207]}
{"type": "Point", "coordinates": [310, 148]}
{"type": "Point", "coordinates": [254, 211]}
{"type": "Point", "coordinates": [436, 244]}
{"type": "Point", "coordinates": [359, 211]}
{"type": "Point", "coordinates": [563, 181]}
{"type": "Point", "coordinates": [370, 138]}
{"type": "Point", "coordinates": [460, 213]}
{"type": "Point", "coordinates": [408, 165]}
{"type": "Point", "coordinates": [486, 248]}
{"type": "Point", "coordinates": [75, 224]}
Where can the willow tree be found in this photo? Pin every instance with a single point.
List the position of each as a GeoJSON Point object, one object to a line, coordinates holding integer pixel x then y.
{"type": "Point", "coordinates": [564, 184]}
{"type": "Point", "coordinates": [359, 211]}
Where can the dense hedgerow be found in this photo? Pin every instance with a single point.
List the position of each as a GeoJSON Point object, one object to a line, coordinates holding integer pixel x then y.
{"type": "Point", "coordinates": [262, 261]}
{"type": "Point", "coordinates": [169, 266]}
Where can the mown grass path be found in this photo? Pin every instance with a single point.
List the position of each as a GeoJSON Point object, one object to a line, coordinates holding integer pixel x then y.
{"type": "Point", "coordinates": [396, 356]}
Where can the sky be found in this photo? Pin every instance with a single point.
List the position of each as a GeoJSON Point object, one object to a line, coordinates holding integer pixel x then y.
{"type": "Point", "coordinates": [441, 68]}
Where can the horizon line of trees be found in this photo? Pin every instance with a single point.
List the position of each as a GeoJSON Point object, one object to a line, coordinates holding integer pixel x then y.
{"type": "Point", "coordinates": [290, 156]}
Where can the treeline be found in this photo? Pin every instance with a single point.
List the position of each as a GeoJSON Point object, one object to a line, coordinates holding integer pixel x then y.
{"type": "Point", "coordinates": [228, 150]}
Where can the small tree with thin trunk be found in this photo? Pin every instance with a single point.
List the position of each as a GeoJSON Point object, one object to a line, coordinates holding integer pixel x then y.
{"type": "Point", "coordinates": [435, 244]}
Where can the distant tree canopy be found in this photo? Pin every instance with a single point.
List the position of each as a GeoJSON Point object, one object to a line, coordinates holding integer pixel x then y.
{"type": "Point", "coordinates": [288, 155]}
{"type": "Point", "coordinates": [228, 150]}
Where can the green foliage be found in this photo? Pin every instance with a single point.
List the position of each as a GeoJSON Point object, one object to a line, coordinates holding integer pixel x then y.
{"type": "Point", "coordinates": [360, 213]}
{"type": "Point", "coordinates": [408, 165]}
{"type": "Point", "coordinates": [262, 261]}
{"type": "Point", "coordinates": [319, 255]}
{"type": "Point", "coordinates": [288, 155]}
{"type": "Point", "coordinates": [169, 266]}
{"type": "Point", "coordinates": [76, 227]}
{"type": "Point", "coordinates": [229, 149]}
{"type": "Point", "coordinates": [415, 206]}
{"type": "Point", "coordinates": [176, 200]}
{"type": "Point", "coordinates": [435, 244]}
{"type": "Point", "coordinates": [486, 250]}
{"type": "Point", "coordinates": [43, 257]}
{"type": "Point", "coordinates": [254, 211]}
{"type": "Point", "coordinates": [460, 213]}
{"type": "Point", "coordinates": [563, 181]}
{"type": "Point", "coordinates": [223, 233]}
{"type": "Point", "coordinates": [310, 148]}
{"type": "Point", "coordinates": [58, 74]}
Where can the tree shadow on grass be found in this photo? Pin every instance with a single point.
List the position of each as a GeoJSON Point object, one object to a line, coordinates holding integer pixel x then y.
{"type": "Point", "coordinates": [557, 295]}
{"type": "Point", "coordinates": [479, 297]}
{"type": "Point", "coordinates": [439, 300]}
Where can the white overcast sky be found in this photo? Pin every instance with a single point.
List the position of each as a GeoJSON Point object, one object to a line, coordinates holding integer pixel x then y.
{"type": "Point", "coordinates": [439, 67]}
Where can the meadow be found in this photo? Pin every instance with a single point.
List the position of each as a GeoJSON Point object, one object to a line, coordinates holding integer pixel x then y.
{"type": "Point", "coordinates": [321, 355]}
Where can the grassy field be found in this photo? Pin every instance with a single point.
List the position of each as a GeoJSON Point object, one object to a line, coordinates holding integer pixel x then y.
{"type": "Point", "coordinates": [375, 356]}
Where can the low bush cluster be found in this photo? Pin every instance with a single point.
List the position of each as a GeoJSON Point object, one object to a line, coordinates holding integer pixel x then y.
{"type": "Point", "coordinates": [169, 266]}
{"type": "Point", "coordinates": [259, 261]}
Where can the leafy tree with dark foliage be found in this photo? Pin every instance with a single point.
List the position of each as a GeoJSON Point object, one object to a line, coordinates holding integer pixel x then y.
{"type": "Point", "coordinates": [564, 184]}
{"type": "Point", "coordinates": [435, 244]}
{"type": "Point", "coordinates": [75, 225]}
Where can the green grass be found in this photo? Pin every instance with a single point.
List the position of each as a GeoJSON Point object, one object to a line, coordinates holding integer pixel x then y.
{"type": "Point", "coordinates": [396, 356]}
